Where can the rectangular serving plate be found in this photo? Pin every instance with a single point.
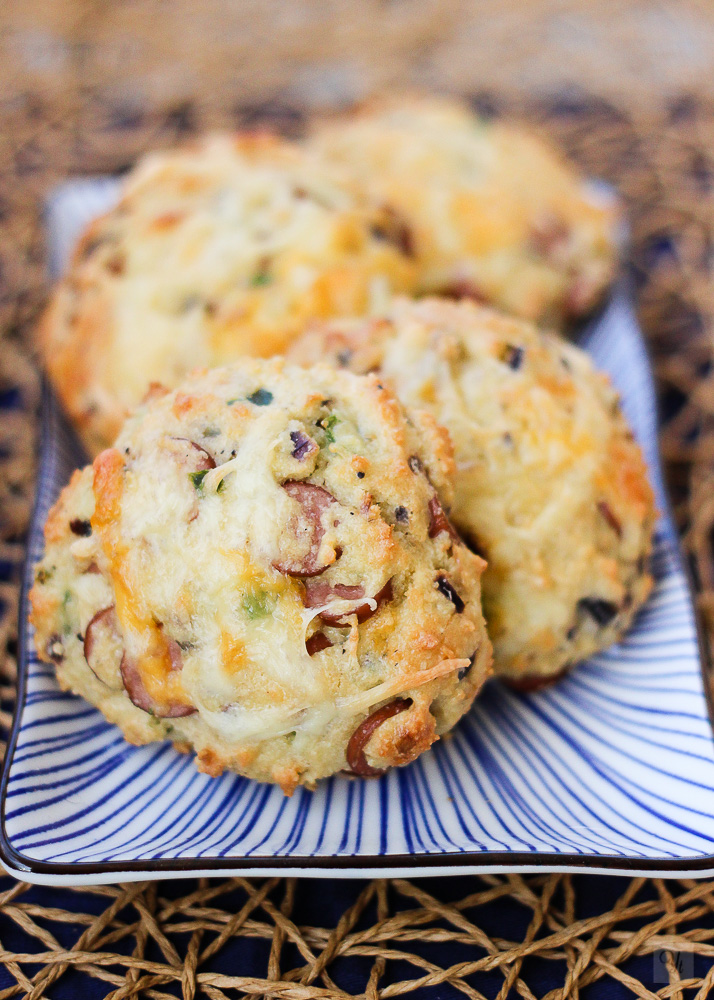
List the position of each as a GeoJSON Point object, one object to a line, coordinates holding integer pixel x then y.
{"type": "Point", "coordinates": [611, 770]}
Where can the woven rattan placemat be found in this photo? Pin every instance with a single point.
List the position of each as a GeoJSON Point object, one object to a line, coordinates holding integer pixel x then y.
{"type": "Point", "coordinates": [280, 938]}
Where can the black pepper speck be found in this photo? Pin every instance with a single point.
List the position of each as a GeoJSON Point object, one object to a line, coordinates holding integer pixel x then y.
{"type": "Point", "coordinates": [513, 356]}
{"type": "Point", "coordinates": [80, 526]}
{"type": "Point", "coordinates": [449, 593]}
{"type": "Point", "coordinates": [599, 609]}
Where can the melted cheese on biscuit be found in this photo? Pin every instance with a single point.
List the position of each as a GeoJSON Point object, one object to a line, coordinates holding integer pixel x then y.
{"type": "Point", "coordinates": [214, 251]}
{"type": "Point", "coordinates": [494, 210]}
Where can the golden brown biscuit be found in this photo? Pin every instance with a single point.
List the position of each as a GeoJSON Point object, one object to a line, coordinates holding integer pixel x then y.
{"type": "Point", "coordinates": [222, 249]}
{"type": "Point", "coordinates": [550, 487]}
{"type": "Point", "coordinates": [262, 569]}
{"type": "Point", "coordinates": [494, 212]}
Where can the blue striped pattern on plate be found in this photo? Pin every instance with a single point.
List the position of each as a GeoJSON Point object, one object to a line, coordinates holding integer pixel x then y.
{"type": "Point", "coordinates": [615, 762]}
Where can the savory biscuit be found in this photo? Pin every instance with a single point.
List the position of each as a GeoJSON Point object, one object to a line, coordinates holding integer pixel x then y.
{"type": "Point", "coordinates": [494, 213]}
{"type": "Point", "coordinates": [262, 569]}
{"type": "Point", "coordinates": [550, 487]}
{"type": "Point", "coordinates": [214, 251]}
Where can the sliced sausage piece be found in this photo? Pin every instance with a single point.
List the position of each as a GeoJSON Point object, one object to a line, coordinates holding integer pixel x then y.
{"type": "Point", "coordinates": [314, 501]}
{"type": "Point", "coordinates": [316, 643]}
{"type": "Point", "coordinates": [175, 654]}
{"type": "Point", "coordinates": [360, 737]}
{"type": "Point", "coordinates": [607, 512]}
{"type": "Point", "coordinates": [319, 592]}
{"type": "Point", "coordinates": [464, 289]}
{"type": "Point", "coordinates": [140, 697]}
{"type": "Point", "coordinates": [534, 682]}
{"type": "Point", "coordinates": [104, 619]}
{"type": "Point", "coordinates": [438, 521]}
{"type": "Point", "coordinates": [102, 646]}
{"type": "Point", "coordinates": [134, 685]}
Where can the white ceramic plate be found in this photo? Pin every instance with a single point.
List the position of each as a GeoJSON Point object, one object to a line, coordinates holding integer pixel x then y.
{"type": "Point", "coordinates": [610, 770]}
